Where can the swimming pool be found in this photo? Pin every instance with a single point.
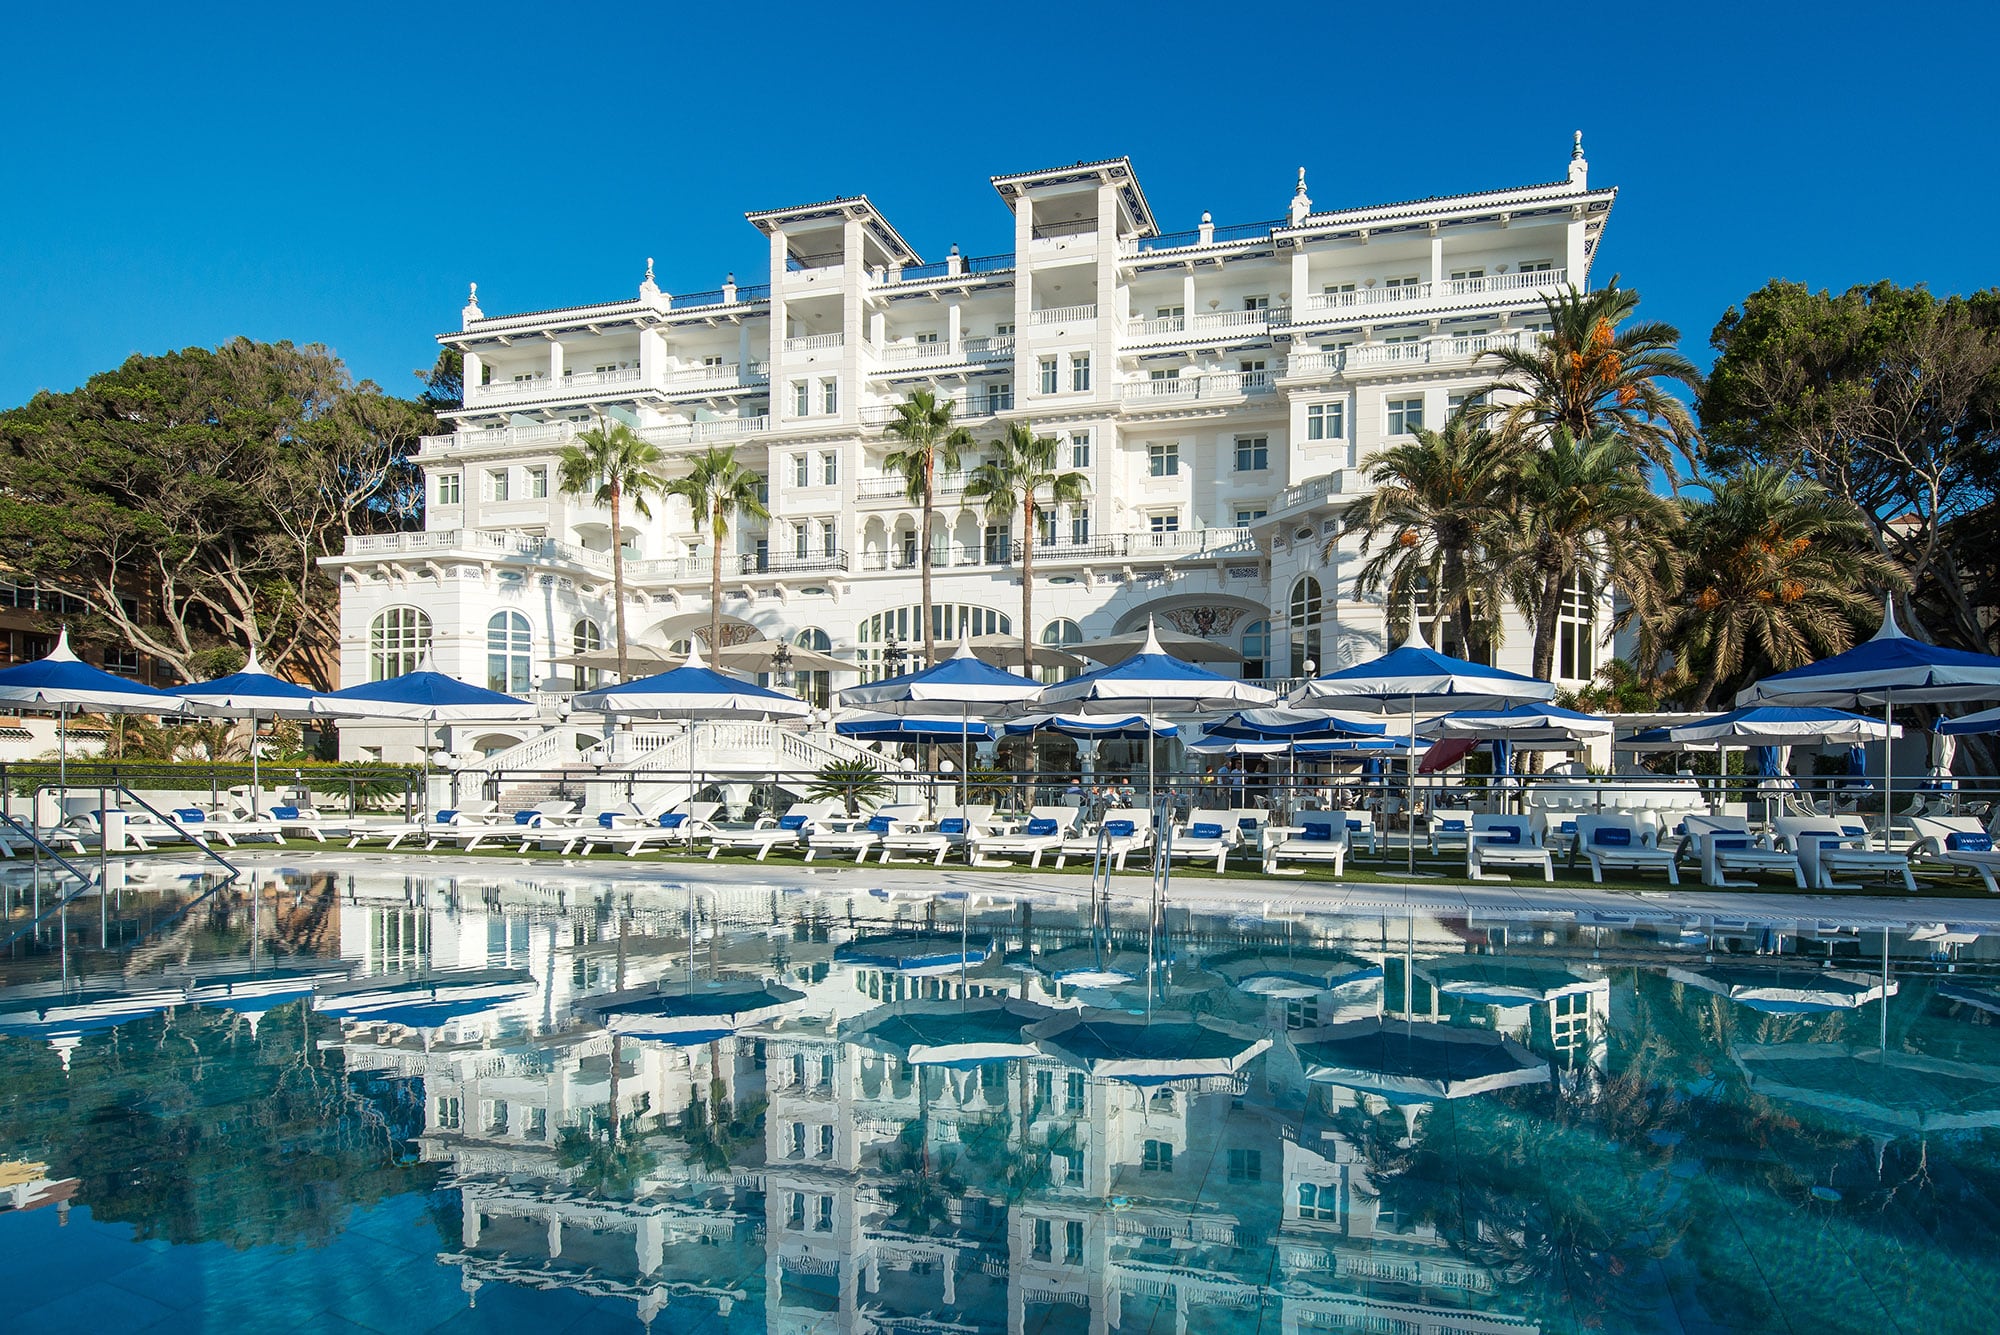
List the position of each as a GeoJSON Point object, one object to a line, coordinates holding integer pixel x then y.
{"type": "Point", "coordinates": [367, 1095]}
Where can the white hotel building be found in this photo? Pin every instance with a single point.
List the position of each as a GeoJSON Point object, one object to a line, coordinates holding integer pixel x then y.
{"type": "Point", "coordinates": [1222, 389]}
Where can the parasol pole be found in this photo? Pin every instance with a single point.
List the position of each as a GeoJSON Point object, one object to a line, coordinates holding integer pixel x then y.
{"type": "Point", "coordinates": [1410, 816]}
{"type": "Point", "coordinates": [1888, 804]}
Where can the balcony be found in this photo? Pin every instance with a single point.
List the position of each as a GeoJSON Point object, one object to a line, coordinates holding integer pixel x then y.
{"type": "Point", "coordinates": [479, 542]}
{"type": "Point", "coordinates": [892, 486]}
{"type": "Point", "coordinates": [1212, 326]}
{"type": "Point", "coordinates": [722, 375]}
{"type": "Point", "coordinates": [989, 349]}
{"type": "Point", "coordinates": [1459, 291]}
{"type": "Point", "coordinates": [1464, 349]}
{"type": "Point", "coordinates": [581, 384]}
{"type": "Point", "coordinates": [1194, 544]}
{"type": "Point", "coordinates": [1050, 316]}
{"type": "Point", "coordinates": [1179, 390]}
{"type": "Point", "coordinates": [702, 433]}
{"type": "Point", "coordinates": [815, 342]}
{"type": "Point", "coordinates": [736, 565]}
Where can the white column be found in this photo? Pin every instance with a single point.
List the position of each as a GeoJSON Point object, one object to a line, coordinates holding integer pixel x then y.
{"type": "Point", "coordinates": [781, 395]}
{"type": "Point", "coordinates": [556, 362]}
{"type": "Point", "coordinates": [555, 1235]}
{"type": "Point", "coordinates": [954, 326]}
{"type": "Point", "coordinates": [1437, 257]}
{"type": "Point", "coordinates": [743, 357]}
{"type": "Point", "coordinates": [469, 1227]}
{"type": "Point", "coordinates": [1024, 295]}
{"type": "Point", "coordinates": [1301, 278]}
{"type": "Point", "coordinates": [1573, 257]}
{"type": "Point", "coordinates": [475, 368]}
{"type": "Point", "coordinates": [1187, 293]}
{"type": "Point", "coordinates": [652, 357]}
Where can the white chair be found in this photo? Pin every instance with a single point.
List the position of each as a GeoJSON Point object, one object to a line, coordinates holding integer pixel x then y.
{"type": "Point", "coordinates": [859, 837]}
{"type": "Point", "coordinates": [504, 827]}
{"type": "Point", "coordinates": [1959, 842]}
{"type": "Point", "coordinates": [636, 831]}
{"type": "Point", "coordinates": [787, 831]}
{"type": "Point", "coordinates": [1725, 844]}
{"type": "Point", "coordinates": [1361, 831]}
{"type": "Point", "coordinates": [299, 818]}
{"type": "Point", "coordinates": [1044, 832]}
{"type": "Point", "coordinates": [1506, 841]}
{"type": "Point", "coordinates": [1830, 846]}
{"type": "Point", "coordinates": [1126, 832]}
{"type": "Point", "coordinates": [1623, 843]}
{"type": "Point", "coordinates": [1207, 835]}
{"type": "Point", "coordinates": [1450, 826]}
{"type": "Point", "coordinates": [954, 829]}
{"type": "Point", "coordinates": [1319, 836]}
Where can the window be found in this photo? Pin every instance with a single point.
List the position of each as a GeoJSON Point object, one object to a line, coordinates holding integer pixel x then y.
{"type": "Point", "coordinates": [448, 489]}
{"type": "Point", "coordinates": [826, 1142]}
{"type": "Point", "coordinates": [451, 1114]}
{"type": "Point", "coordinates": [1338, 289]}
{"type": "Point", "coordinates": [1048, 375]}
{"type": "Point", "coordinates": [829, 397]}
{"type": "Point", "coordinates": [509, 649]}
{"type": "Point", "coordinates": [1535, 266]}
{"type": "Point", "coordinates": [1079, 371]}
{"type": "Point", "coordinates": [1163, 458]}
{"type": "Point", "coordinates": [829, 538]}
{"type": "Point", "coordinates": [801, 471]}
{"type": "Point", "coordinates": [1245, 518]}
{"type": "Point", "coordinates": [1458, 403]}
{"type": "Point", "coordinates": [1255, 373]}
{"type": "Point", "coordinates": [538, 483]}
{"type": "Point", "coordinates": [1158, 1157]}
{"type": "Point", "coordinates": [824, 1223]}
{"type": "Point", "coordinates": [801, 399]}
{"type": "Point", "coordinates": [397, 641]}
{"type": "Point", "coordinates": [496, 484]}
{"type": "Point", "coordinates": [949, 623]}
{"type": "Point", "coordinates": [585, 638]}
{"type": "Point", "coordinates": [1173, 374]}
{"type": "Point", "coordinates": [1246, 1165]}
{"type": "Point", "coordinates": [1169, 312]}
{"type": "Point", "coordinates": [796, 1215]}
{"type": "Point", "coordinates": [1079, 524]}
{"type": "Point", "coordinates": [1326, 421]}
{"type": "Point", "coordinates": [1061, 633]}
{"type": "Point", "coordinates": [998, 539]}
{"type": "Point", "coordinates": [1301, 1012]}
{"type": "Point", "coordinates": [1045, 528]}
{"type": "Point", "coordinates": [1318, 1202]}
{"type": "Point", "coordinates": [1406, 416]}
{"type": "Point", "coordinates": [712, 360]}
{"type": "Point", "coordinates": [909, 548]}
{"type": "Point", "coordinates": [1570, 1021]}
{"type": "Point", "coordinates": [1460, 278]}
{"type": "Point", "coordinates": [1044, 1240]}
{"type": "Point", "coordinates": [1073, 1242]}
{"type": "Point", "coordinates": [801, 541]}
{"type": "Point", "coordinates": [798, 1140]}
{"type": "Point", "coordinates": [1166, 521]}
{"type": "Point", "coordinates": [1305, 624]}
{"type": "Point", "coordinates": [999, 396]}
{"type": "Point", "coordinates": [538, 1124]}
{"type": "Point", "coordinates": [1256, 645]}
{"type": "Point", "coordinates": [1576, 637]}
{"type": "Point", "coordinates": [1253, 454]}
{"type": "Point", "coordinates": [1256, 303]}
{"type": "Point", "coordinates": [1045, 1081]}
{"type": "Point", "coordinates": [1073, 1093]}
{"type": "Point", "coordinates": [926, 337]}
{"type": "Point", "coordinates": [829, 468]}
{"type": "Point", "coordinates": [1404, 288]}
{"type": "Point", "coordinates": [1079, 449]}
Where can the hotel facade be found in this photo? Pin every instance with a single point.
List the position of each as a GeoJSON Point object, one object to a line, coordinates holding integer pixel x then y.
{"type": "Point", "coordinates": [1222, 390]}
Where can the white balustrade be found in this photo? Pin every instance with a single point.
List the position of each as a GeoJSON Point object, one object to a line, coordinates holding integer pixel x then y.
{"type": "Point", "coordinates": [1053, 315]}
{"type": "Point", "coordinates": [815, 342]}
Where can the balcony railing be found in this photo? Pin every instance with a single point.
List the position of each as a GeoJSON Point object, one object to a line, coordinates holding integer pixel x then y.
{"type": "Point", "coordinates": [674, 569]}
{"type": "Point", "coordinates": [1416, 352]}
{"type": "Point", "coordinates": [893, 485]}
{"type": "Point", "coordinates": [724, 373]}
{"type": "Point", "coordinates": [700, 433]}
{"type": "Point", "coordinates": [935, 350]}
{"type": "Point", "coordinates": [814, 342]}
{"type": "Point", "coordinates": [544, 387]}
{"type": "Point", "coordinates": [485, 542]}
{"type": "Point", "coordinates": [1467, 290]}
{"type": "Point", "coordinates": [1196, 543]}
{"type": "Point", "coordinates": [1187, 388]}
{"type": "Point", "coordinates": [996, 347]}
{"type": "Point", "coordinates": [1053, 315]}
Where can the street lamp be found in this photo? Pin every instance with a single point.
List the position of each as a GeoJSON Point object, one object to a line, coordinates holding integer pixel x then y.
{"type": "Point", "coordinates": [893, 654]}
{"type": "Point", "coordinates": [781, 664]}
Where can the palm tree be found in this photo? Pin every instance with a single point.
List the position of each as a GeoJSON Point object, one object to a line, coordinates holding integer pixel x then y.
{"type": "Point", "coordinates": [1779, 571]}
{"type": "Point", "coordinates": [1436, 504]}
{"type": "Point", "coordinates": [1014, 484]}
{"type": "Point", "coordinates": [717, 488]}
{"type": "Point", "coordinates": [1581, 509]}
{"type": "Point", "coordinates": [1586, 373]}
{"type": "Point", "coordinates": [929, 441]}
{"type": "Point", "coordinates": [611, 463]}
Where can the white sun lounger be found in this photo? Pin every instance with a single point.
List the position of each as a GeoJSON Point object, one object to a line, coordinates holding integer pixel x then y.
{"type": "Point", "coordinates": [955, 828]}
{"type": "Point", "coordinates": [1360, 828]}
{"type": "Point", "coordinates": [503, 827]}
{"type": "Point", "coordinates": [1319, 836]}
{"type": "Point", "coordinates": [1830, 846]}
{"type": "Point", "coordinates": [1043, 833]}
{"type": "Point", "coordinates": [1207, 836]}
{"type": "Point", "coordinates": [859, 837]}
{"type": "Point", "coordinates": [786, 831]}
{"type": "Point", "coordinates": [1960, 842]}
{"type": "Point", "coordinates": [1623, 843]}
{"type": "Point", "coordinates": [1126, 832]}
{"type": "Point", "coordinates": [1506, 841]}
{"type": "Point", "coordinates": [1725, 845]}
{"type": "Point", "coordinates": [1450, 826]}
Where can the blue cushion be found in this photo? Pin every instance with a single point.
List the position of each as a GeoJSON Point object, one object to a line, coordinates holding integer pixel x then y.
{"type": "Point", "coordinates": [1566, 827]}
{"type": "Point", "coordinates": [1854, 831]}
{"type": "Point", "coordinates": [1119, 829]}
{"type": "Point", "coordinates": [791, 822]}
{"type": "Point", "coordinates": [1969, 842]}
{"type": "Point", "coordinates": [527, 817]}
{"type": "Point", "coordinates": [1717, 841]}
{"type": "Point", "coordinates": [607, 819]}
{"type": "Point", "coordinates": [1246, 822]}
{"type": "Point", "coordinates": [1317, 832]}
{"type": "Point", "coordinates": [446, 817]}
{"type": "Point", "coordinates": [1451, 826]}
{"type": "Point", "coordinates": [952, 825]}
{"type": "Point", "coordinates": [1502, 834]}
{"type": "Point", "coordinates": [878, 825]}
{"type": "Point", "coordinates": [1205, 830]}
{"type": "Point", "coordinates": [1610, 836]}
{"type": "Point", "coordinates": [1355, 826]}
{"type": "Point", "coordinates": [190, 815]}
{"type": "Point", "coordinates": [673, 820]}
{"type": "Point", "coordinates": [285, 813]}
{"type": "Point", "coordinates": [1041, 828]}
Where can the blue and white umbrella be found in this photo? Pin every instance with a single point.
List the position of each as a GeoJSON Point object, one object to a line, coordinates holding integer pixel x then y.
{"type": "Point", "coordinates": [918, 729]}
{"type": "Point", "coordinates": [1094, 727]}
{"type": "Point", "coordinates": [64, 684]}
{"type": "Point", "coordinates": [255, 694]}
{"type": "Point", "coordinates": [1781, 725]}
{"type": "Point", "coordinates": [428, 696]}
{"type": "Point", "coordinates": [1887, 669]}
{"type": "Point", "coordinates": [1529, 727]}
{"type": "Point", "coordinates": [1418, 676]}
{"type": "Point", "coordinates": [697, 1016]}
{"type": "Point", "coordinates": [1986, 720]}
{"type": "Point", "coordinates": [977, 689]}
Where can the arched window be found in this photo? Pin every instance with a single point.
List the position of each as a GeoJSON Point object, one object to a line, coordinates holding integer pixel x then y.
{"type": "Point", "coordinates": [1061, 633]}
{"type": "Point", "coordinates": [1256, 645]}
{"type": "Point", "coordinates": [1305, 623]}
{"type": "Point", "coordinates": [815, 687]}
{"type": "Point", "coordinates": [397, 640]}
{"type": "Point", "coordinates": [905, 626]}
{"type": "Point", "coordinates": [510, 647]}
{"type": "Point", "coordinates": [1576, 631]}
{"type": "Point", "coordinates": [586, 638]}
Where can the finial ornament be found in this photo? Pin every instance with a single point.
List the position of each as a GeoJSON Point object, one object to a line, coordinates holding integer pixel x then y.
{"type": "Point", "coordinates": [472, 311]}
{"type": "Point", "coordinates": [1302, 182]}
{"type": "Point", "coordinates": [472, 297]}
{"type": "Point", "coordinates": [649, 268]}
{"type": "Point", "coordinates": [1577, 152]}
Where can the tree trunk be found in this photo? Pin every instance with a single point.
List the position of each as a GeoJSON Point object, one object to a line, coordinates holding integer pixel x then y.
{"type": "Point", "coordinates": [1546, 617]}
{"type": "Point", "coordinates": [715, 585]}
{"type": "Point", "coordinates": [924, 561]}
{"type": "Point", "coordinates": [618, 574]}
{"type": "Point", "coordinates": [1028, 590]}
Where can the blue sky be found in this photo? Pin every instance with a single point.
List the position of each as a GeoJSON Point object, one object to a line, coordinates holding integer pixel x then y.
{"type": "Point", "coordinates": [182, 174]}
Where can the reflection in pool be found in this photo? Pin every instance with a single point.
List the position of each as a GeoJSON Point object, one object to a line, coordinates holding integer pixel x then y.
{"type": "Point", "coordinates": [564, 1103]}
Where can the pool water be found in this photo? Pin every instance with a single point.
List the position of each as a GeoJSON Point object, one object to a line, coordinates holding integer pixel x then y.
{"type": "Point", "coordinates": [359, 1099]}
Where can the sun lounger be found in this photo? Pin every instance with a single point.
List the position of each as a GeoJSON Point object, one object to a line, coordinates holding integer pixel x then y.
{"type": "Point", "coordinates": [956, 828]}
{"type": "Point", "coordinates": [494, 828]}
{"type": "Point", "coordinates": [1960, 842]}
{"type": "Point", "coordinates": [294, 819]}
{"type": "Point", "coordinates": [1506, 841]}
{"type": "Point", "coordinates": [1125, 832]}
{"type": "Point", "coordinates": [1044, 833]}
{"type": "Point", "coordinates": [1830, 846]}
{"type": "Point", "coordinates": [1725, 845]}
{"type": "Point", "coordinates": [1450, 827]}
{"type": "Point", "coordinates": [1360, 828]}
{"type": "Point", "coordinates": [786, 831]}
{"type": "Point", "coordinates": [1623, 843]}
{"type": "Point", "coordinates": [859, 837]}
{"type": "Point", "coordinates": [635, 830]}
{"type": "Point", "coordinates": [1207, 836]}
{"type": "Point", "coordinates": [1319, 836]}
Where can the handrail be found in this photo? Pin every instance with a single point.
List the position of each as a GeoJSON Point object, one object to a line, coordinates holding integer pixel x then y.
{"type": "Point", "coordinates": [234, 871]}
{"type": "Point", "coordinates": [28, 832]}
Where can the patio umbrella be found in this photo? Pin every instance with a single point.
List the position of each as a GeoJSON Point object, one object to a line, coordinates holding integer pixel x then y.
{"type": "Point", "coordinates": [424, 1000]}
{"type": "Point", "coordinates": [1148, 680]}
{"type": "Point", "coordinates": [692, 692]}
{"type": "Point", "coordinates": [430, 697]}
{"type": "Point", "coordinates": [918, 729]}
{"type": "Point", "coordinates": [774, 655]}
{"type": "Point", "coordinates": [694, 1017]}
{"type": "Point", "coordinates": [1005, 651]}
{"type": "Point", "coordinates": [643, 656]}
{"type": "Point", "coordinates": [914, 955]}
{"type": "Point", "coordinates": [1530, 727]}
{"type": "Point", "coordinates": [1124, 727]}
{"type": "Point", "coordinates": [1888, 668]}
{"type": "Point", "coordinates": [1415, 675]}
{"type": "Point", "coordinates": [981, 1030]}
{"type": "Point", "coordinates": [255, 694]}
{"type": "Point", "coordinates": [1901, 1093]}
{"type": "Point", "coordinates": [1117, 1045]}
{"type": "Point", "coordinates": [976, 687]}
{"type": "Point", "coordinates": [1781, 725]}
{"type": "Point", "coordinates": [1788, 991]}
{"type": "Point", "coordinates": [1400, 1061]}
{"type": "Point", "coordinates": [64, 684]}
{"type": "Point", "coordinates": [1114, 649]}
